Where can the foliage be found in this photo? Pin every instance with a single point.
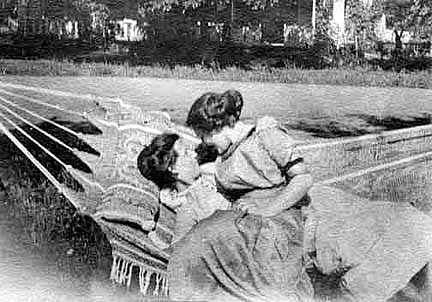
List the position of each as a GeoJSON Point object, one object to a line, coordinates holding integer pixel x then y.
{"type": "Point", "coordinates": [408, 15]}
{"type": "Point", "coordinates": [402, 16]}
{"type": "Point", "coordinates": [167, 5]}
{"type": "Point", "coordinates": [421, 11]}
{"type": "Point", "coordinates": [323, 42]}
{"type": "Point", "coordinates": [361, 19]}
{"type": "Point", "coordinates": [324, 29]}
{"type": "Point", "coordinates": [95, 14]}
{"type": "Point", "coordinates": [398, 13]}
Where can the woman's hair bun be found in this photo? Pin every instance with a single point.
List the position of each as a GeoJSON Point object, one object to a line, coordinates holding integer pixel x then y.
{"type": "Point", "coordinates": [213, 111]}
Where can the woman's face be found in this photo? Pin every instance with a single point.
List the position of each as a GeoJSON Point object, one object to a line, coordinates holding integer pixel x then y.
{"type": "Point", "coordinates": [186, 166]}
{"type": "Point", "coordinates": [222, 139]}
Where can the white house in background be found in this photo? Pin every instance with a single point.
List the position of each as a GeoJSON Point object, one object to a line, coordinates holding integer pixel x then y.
{"type": "Point", "coordinates": [128, 30]}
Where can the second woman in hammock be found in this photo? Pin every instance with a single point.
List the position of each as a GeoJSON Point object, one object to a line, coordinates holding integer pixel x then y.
{"type": "Point", "coordinates": [184, 187]}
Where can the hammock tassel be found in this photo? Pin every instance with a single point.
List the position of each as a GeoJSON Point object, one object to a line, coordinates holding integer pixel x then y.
{"type": "Point", "coordinates": [159, 279]}
{"type": "Point", "coordinates": [118, 270]}
{"type": "Point", "coordinates": [165, 287]}
{"type": "Point", "coordinates": [123, 271]}
{"type": "Point", "coordinates": [144, 281]}
{"type": "Point", "coordinates": [113, 268]}
{"type": "Point", "coordinates": [129, 275]}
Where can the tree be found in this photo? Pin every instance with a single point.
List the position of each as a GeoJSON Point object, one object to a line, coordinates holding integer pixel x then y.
{"type": "Point", "coordinates": [421, 11]}
{"type": "Point", "coordinates": [361, 21]}
{"type": "Point", "coordinates": [229, 12]}
{"type": "Point", "coordinates": [93, 16]}
{"type": "Point", "coordinates": [399, 18]}
{"type": "Point", "coordinates": [408, 15]}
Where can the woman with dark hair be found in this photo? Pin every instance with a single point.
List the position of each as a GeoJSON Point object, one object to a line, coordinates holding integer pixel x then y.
{"type": "Point", "coordinates": [253, 252]}
{"type": "Point", "coordinates": [184, 187]}
{"type": "Point", "coordinates": [156, 161]}
{"type": "Point", "coordinates": [209, 114]}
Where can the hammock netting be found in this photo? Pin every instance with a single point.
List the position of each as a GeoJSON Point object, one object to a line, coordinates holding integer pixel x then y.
{"type": "Point", "coordinates": [99, 176]}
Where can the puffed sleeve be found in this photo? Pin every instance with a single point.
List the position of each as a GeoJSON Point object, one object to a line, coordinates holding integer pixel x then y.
{"type": "Point", "coordinates": [279, 145]}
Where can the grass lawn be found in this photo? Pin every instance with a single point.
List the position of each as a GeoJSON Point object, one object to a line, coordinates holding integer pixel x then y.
{"type": "Point", "coordinates": [352, 76]}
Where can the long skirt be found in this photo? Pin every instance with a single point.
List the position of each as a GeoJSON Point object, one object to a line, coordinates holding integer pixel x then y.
{"type": "Point", "coordinates": [380, 245]}
{"type": "Point", "coordinates": [233, 256]}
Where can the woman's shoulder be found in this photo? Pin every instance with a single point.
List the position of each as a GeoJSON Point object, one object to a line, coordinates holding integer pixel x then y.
{"type": "Point", "coordinates": [266, 123]}
{"type": "Point", "coordinates": [270, 132]}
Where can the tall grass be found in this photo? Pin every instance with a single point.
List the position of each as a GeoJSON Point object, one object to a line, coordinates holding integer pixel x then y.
{"type": "Point", "coordinates": [49, 221]}
{"type": "Point", "coordinates": [356, 76]}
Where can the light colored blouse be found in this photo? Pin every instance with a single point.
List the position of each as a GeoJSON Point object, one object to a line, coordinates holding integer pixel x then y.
{"type": "Point", "coordinates": [257, 162]}
{"type": "Point", "coordinates": [199, 201]}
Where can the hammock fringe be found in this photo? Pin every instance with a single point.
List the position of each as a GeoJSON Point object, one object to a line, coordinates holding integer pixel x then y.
{"type": "Point", "coordinates": [122, 273]}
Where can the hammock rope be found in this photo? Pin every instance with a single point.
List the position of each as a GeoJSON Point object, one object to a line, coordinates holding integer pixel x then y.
{"type": "Point", "coordinates": [376, 168]}
{"type": "Point", "coordinates": [41, 117]}
{"type": "Point", "coordinates": [67, 167]}
{"type": "Point", "coordinates": [56, 92]}
{"type": "Point", "coordinates": [62, 189]}
{"type": "Point", "coordinates": [42, 103]}
{"type": "Point", "coordinates": [53, 156]}
{"type": "Point", "coordinates": [371, 137]}
{"type": "Point", "coordinates": [60, 93]}
{"type": "Point", "coordinates": [37, 128]}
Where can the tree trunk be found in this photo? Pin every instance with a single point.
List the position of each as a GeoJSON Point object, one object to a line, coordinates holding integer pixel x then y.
{"type": "Point", "coordinates": [398, 42]}
{"type": "Point", "coordinates": [313, 18]}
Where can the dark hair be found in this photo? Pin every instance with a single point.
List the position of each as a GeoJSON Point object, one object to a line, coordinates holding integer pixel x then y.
{"type": "Point", "coordinates": [155, 160]}
{"type": "Point", "coordinates": [213, 111]}
{"type": "Point", "coordinates": [206, 153]}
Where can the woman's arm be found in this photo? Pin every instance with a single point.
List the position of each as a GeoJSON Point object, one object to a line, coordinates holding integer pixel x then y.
{"type": "Point", "coordinates": [272, 202]}
{"type": "Point", "coordinates": [279, 145]}
{"type": "Point", "coordinates": [300, 183]}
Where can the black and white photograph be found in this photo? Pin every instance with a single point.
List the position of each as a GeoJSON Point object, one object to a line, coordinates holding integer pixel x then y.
{"type": "Point", "coordinates": [216, 150]}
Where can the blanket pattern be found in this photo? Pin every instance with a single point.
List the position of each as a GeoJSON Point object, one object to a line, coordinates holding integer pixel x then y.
{"type": "Point", "coordinates": [120, 200]}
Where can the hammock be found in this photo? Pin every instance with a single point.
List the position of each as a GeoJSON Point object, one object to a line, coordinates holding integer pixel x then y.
{"type": "Point", "coordinates": [103, 181]}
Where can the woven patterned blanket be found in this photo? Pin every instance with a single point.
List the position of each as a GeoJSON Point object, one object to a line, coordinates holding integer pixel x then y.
{"type": "Point", "coordinates": [121, 201]}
